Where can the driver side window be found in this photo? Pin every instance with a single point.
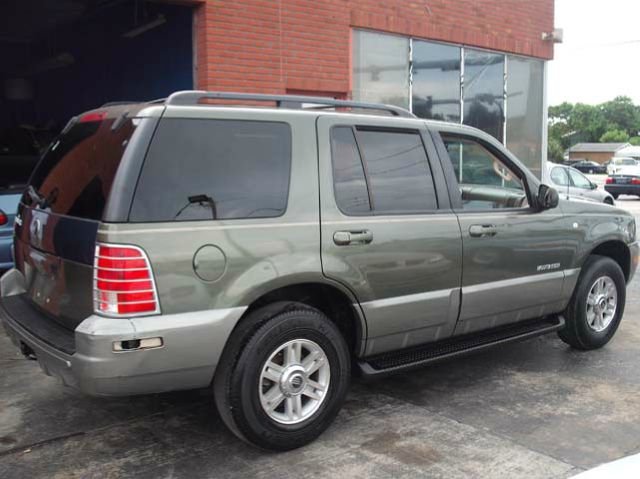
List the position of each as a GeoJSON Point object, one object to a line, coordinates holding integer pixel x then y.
{"type": "Point", "coordinates": [485, 182]}
{"type": "Point", "coordinates": [579, 180]}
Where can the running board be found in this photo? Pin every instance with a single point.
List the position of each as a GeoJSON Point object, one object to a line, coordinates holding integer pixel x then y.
{"type": "Point", "coordinates": [401, 360]}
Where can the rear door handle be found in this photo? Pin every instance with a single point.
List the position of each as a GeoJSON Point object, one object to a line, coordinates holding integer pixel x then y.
{"type": "Point", "coordinates": [483, 231]}
{"type": "Point", "coordinates": [344, 238]}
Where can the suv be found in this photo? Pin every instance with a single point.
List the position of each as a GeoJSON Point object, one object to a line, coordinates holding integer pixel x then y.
{"type": "Point", "coordinates": [264, 252]}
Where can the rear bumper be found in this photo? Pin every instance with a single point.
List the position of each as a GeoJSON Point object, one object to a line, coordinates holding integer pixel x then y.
{"type": "Point", "coordinates": [622, 189]}
{"type": "Point", "coordinates": [192, 344]}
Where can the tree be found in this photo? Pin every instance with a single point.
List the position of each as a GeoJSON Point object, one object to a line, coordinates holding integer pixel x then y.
{"type": "Point", "coordinates": [555, 151]}
{"type": "Point", "coordinates": [621, 114]}
{"type": "Point", "coordinates": [635, 140]}
{"type": "Point", "coordinates": [614, 136]}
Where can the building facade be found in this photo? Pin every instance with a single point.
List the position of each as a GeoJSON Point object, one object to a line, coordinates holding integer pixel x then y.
{"type": "Point", "coordinates": [479, 62]}
{"type": "Point", "coordinates": [598, 152]}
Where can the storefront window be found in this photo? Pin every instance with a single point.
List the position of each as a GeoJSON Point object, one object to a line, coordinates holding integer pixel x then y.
{"type": "Point", "coordinates": [436, 81]}
{"type": "Point", "coordinates": [484, 91]}
{"type": "Point", "coordinates": [525, 82]}
{"type": "Point", "coordinates": [381, 68]}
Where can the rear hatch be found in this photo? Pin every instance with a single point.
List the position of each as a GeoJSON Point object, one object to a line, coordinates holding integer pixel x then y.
{"type": "Point", "coordinates": [61, 209]}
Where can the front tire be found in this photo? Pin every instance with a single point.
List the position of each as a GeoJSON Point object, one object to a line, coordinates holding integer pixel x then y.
{"type": "Point", "coordinates": [597, 305]}
{"type": "Point", "coordinates": [283, 377]}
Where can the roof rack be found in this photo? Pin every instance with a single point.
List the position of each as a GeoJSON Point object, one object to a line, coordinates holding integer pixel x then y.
{"type": "Point", "coordinates": [193, 97]}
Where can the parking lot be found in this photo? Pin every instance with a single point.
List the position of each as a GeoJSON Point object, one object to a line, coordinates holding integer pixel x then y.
{"type": "Point", "coordinates": [530, 409]}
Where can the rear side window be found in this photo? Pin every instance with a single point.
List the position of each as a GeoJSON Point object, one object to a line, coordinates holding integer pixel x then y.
{"type": "Point", "coordinates": [214, 169]}
{"type": "Point", "coordinates": [75, 175]}
{"type": "Point", "coordinates": [381, 172]}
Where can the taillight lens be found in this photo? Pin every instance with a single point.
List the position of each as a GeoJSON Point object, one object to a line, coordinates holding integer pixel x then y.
{"type": "Point", "coordinates": [635, 181]}
{"type": "Point", "coordinates": [4, 219]}
{"type": "Point", "coordinates": [609, 181]}
{"type": "Point", "coordinates": [123, 283]}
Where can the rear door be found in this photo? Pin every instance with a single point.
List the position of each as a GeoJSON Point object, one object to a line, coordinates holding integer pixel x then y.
{"type": "Point", "coordinates": [387, 229]}
{"type": "Point", "coordinates": [515, 257]}
{"type": "Point", "coordinates": [59, 214]}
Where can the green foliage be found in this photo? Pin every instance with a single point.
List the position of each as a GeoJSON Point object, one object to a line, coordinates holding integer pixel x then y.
{"type": "Point", "coordinates": [613, 121]}
{"type": "Point", "coordinates": [555, 152]}
{"type": "Point", "coordinates": [635, 140]}
{"type": "Point", "coordinates": [614, 136]}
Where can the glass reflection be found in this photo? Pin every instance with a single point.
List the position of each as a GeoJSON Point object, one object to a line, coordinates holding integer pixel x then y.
{"type": "Point", "coordinates": [484, 91]}
{"type": "Point", "coordinates": [436, 81]}
{"type": "Point", "coordinates": [381, 68]}
{"type": "Point", "coordinates": [525, 81]}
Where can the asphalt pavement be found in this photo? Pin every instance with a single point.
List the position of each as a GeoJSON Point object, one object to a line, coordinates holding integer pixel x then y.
{"type": "Point", "coordinates": [536, 409]}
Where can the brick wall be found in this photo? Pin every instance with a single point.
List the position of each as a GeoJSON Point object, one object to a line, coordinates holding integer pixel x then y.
{"type": "Point", "coordinates": [302, 46]}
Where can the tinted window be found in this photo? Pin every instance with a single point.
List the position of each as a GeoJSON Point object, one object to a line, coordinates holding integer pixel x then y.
{"type": "Point", "coordinates": [559, 176]}
{"type": "Point", "coordinates": [214, 169]}
{"type": "Point", "coordinates": [484, 91]}
{"type": "Point", "coordinates": [436, 81]}
{"type": "Point", "coordinates": [348, 175]}
{"type": "Point", "coordinates": [398, 170]}
{"type": "Point", "coordinates": [76, 172]}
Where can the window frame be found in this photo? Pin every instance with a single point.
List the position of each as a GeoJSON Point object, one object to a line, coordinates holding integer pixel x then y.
{"type": "Point", "coordinates": [452, 181]}
{"type": "Point", "coordinates": [388, 129]}
{"type": "Point", "coordinates": [570, 172]}
{"type": "Point", "coordinates": [244, 120]}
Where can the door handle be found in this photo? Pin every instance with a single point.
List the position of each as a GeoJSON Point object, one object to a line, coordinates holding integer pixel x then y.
{"type": "Point", "coordinates": [344, 238]}
{"type": "Point", "coordinates": [483, 231]}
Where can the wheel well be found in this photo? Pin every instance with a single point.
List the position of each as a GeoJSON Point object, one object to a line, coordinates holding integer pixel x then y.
{"type": "Point", "coordinates": [331, 301]}
{"type": "Point", "coordinates": [617, 251]}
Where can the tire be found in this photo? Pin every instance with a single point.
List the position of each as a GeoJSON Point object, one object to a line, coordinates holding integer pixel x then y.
{"type": "Point", "coordinates": [242, 380]}
{"type": "Point", "coordinates": [608, 201]}
{"type": "Point", "coordinates": [578, 332]}
{"type": "Point", "coordinates": [615, 195]}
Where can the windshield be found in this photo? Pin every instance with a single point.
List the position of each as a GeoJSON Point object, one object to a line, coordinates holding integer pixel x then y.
{"type": "Point", "coordinates": [75, 175]}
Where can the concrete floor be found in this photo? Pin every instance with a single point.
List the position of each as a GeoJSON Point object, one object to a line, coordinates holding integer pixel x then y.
{"type": "Point", "coordinates": [531, 409]}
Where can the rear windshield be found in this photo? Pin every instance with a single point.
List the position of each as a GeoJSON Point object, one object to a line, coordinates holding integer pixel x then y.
{"type": "Point", "coordinates": [214, 169]}
{"type": "Point", "coordinates": [76, 173]}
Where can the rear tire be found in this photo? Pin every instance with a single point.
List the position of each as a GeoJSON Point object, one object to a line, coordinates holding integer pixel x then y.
{"type": "Point", "coordinates": [283, 376]}
{"type": "Point", "coordinates": [597, 305]}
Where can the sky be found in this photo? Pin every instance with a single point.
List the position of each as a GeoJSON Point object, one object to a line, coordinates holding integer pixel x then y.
{"type": "Point", "coordinates": [600, 56]}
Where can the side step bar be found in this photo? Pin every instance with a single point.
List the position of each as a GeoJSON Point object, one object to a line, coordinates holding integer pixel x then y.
{"type": "Point", "coordinates": [404, 359]}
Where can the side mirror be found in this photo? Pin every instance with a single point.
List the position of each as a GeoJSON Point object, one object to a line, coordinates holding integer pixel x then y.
{"type": "Point", "coordinates": [594, 186]}
{"type": "Point", "coordinates": [548, 198]}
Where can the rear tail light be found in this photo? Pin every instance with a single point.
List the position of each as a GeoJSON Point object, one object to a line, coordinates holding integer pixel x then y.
{"type": "Point", "coordinates": [610, 180]}
{"type": "Point", "coordinates": [123, 283]}
{"type": "Point", "coordinates": [95, 116]}
{"type": "Point", "coordinates": [635, 181]}
{"type": "Point", "coordinates": [3, 218]}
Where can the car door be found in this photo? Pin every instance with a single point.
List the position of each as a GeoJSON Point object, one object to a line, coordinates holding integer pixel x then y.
{"type": "Point", "coordinates": [515, 258]}
{"type": "Point", "coordinates": [580, 184]}
{"type": "Point", "coordinates": [387, 229]}
{"type": "Point", "coordinates": [561, 182]}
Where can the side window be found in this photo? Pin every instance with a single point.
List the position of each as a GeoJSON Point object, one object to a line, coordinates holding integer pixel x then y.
{"type": "Point", "coordinates": [485, 181]}
{"type": "Point", "coordinates": [559, 176]}
{"type": "Point", "coordinates": [350, 187]}
{"type": "Point", "coordinates": [381, 172]}
{"type": "Point", "coordinates": [214, 169]}
{"type": "Point", "coordinates": [579, 180]}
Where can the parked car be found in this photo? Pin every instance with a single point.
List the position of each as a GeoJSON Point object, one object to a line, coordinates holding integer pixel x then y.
{"type": "Point", "coordinates": [623, 184]}
{"type": "Point", "coordinates": [264, 251]}
{"type": "Point", "coordinates": [617, 165]}
{"type": "Point", "coordinates": [15, 173]}
{"type": "Point", "coordinates": [590, 167]}
{"type": "Point", "coordinates": [574, 185]}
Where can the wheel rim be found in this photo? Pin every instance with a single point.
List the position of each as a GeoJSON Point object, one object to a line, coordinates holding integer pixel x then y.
{"type": "Point", "coordinates": [294, 381]}
{"type": "Point", "coordinates": [602, 303]}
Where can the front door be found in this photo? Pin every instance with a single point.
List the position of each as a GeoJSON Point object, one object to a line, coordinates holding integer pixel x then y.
{"type": "Point", "coordinates": [388, 232]}
{"type": "Point", "coordinates": [515, 258]}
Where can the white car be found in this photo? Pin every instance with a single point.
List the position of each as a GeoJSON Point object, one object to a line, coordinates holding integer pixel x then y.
{"type": "Point", "coordinates": [572, 184]}
{"type": "Point", "coordinates": [622, 165]}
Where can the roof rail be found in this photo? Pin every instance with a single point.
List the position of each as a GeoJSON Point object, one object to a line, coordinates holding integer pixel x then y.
{"type": "Point", "coordinates": [193, 97]}
{"type": "Point", "coordinates": [124, 102]}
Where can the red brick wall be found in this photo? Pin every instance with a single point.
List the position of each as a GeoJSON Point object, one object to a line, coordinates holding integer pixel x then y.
{"type": "Point", "coordinates": [279, 46]}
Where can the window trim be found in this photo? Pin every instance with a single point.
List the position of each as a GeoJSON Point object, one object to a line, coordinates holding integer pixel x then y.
{"type": "Point", "coordinates": [455, 189]}
{"type": "Point", "coordinates": [378, 128]}
{"type": "Point", "coordinates": [244, 120]}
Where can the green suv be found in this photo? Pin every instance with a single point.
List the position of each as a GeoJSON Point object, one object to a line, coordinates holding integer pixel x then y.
{"type": "Point", "coordinates": [268, 252]}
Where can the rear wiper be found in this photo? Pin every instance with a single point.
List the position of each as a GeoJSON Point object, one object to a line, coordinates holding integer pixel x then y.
{"type": "Point", "coordinates": [36, 197]}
